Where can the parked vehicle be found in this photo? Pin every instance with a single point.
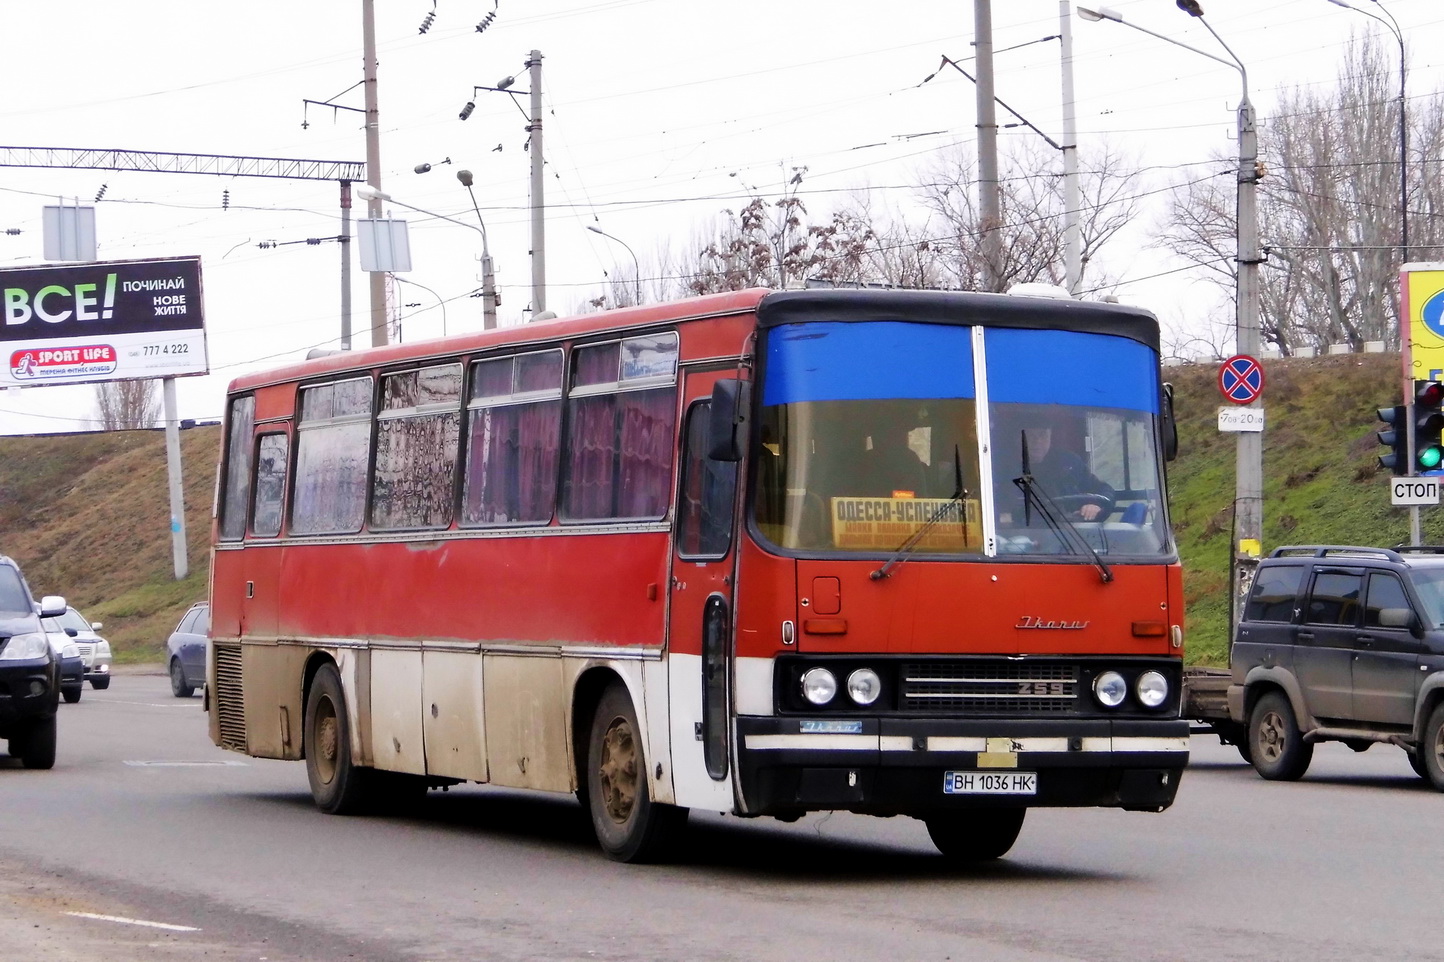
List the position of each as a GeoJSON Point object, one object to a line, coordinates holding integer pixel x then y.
{"type": "Point", "coordinates": [72, 666]}
{"type": "Point", "coordinates": [1339, 643]}
{"type": "Point", "coordinates": [29, 670]}
{"type": "Point", "coordinates": [186, 651]}
{"type": "Point", "coordinates": [94, 650]}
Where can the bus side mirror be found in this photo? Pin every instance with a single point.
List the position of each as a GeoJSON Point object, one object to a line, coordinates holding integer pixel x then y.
{"type": "Point", "coordinates": [1168, 425]}
{"type": "Point", "coordinates": [727, 429]}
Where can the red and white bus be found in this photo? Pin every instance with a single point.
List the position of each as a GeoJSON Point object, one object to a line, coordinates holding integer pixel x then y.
{"type": "Point", "coordinates": [767, 553]}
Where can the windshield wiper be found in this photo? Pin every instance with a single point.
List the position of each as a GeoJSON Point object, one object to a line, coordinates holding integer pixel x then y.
{"type": "Point", "coordinates": [1067, 532]}
{"type": "Point", "coordinates": [906, 548]}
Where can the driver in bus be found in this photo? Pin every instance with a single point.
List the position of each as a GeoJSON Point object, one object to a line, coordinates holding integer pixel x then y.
{"type": "Point", "coordinates": [1060, 473]}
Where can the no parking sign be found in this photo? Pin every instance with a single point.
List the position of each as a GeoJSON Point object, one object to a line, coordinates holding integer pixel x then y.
{"type": "Point", "coordinates": [1241, 379]}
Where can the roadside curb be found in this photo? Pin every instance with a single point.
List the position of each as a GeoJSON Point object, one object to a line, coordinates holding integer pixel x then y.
{"type": "Point", "coordinates": [141, 669]}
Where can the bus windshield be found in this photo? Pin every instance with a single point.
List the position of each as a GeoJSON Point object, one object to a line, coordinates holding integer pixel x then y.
{"type": "Point", "coordinates": [870, 432]}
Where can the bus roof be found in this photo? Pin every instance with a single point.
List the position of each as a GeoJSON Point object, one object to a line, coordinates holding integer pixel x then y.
{"type": "Point", "coordinates": [960, 307]}
{"type": "Point", "coordinates": [772, 307]}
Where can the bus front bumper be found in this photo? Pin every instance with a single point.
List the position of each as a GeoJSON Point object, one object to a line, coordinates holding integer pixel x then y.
{"type": "Point", "coordinates": [925, 767]}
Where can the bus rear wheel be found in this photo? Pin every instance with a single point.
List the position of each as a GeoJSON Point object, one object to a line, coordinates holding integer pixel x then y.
{"type": "Point", "coordinates": [629, 826]}
{"type": "Point", "coordinates": [338, 786]}
{"type": "Point", "coordinates": [979, 835]}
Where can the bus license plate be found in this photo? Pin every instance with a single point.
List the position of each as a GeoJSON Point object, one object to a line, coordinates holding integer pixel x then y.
{"type": "Point", "coordinates": [990, 783]}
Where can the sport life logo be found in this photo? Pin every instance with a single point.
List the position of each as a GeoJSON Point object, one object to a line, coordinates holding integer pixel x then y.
{"type": "Point", "coordinates": [60, 363]}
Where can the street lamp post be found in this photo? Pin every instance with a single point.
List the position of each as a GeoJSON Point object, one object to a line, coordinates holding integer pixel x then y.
{"type": "Point", "coordinates": [488, 279]}
{"type": "Point", "coordinates": [441, 303]}
{"type": "Point", "coordinates": [1416, 534]}
{"type": "Point", "coordinates": [637, 265]}
{"type": "Point", "coordinates": [1393, 26]}
{"type": "Point", "coordinates": [488, 290]}
{"type": "Point", "coordinates": [1248, 469]}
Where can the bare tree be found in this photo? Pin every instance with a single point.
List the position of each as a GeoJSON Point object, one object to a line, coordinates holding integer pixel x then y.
{"type": "Point", "coordinates": [1033, 215]}
{"type": "Point", "coordinates": [127, 405]}
{"type": "Point", "coordinates": [1329, 208]}
{"type": "Point", "coordinates": [776, 243]}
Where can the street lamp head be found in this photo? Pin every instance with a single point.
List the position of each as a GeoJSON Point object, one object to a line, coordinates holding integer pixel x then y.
{"type": "Point", "coordinates": [1102, 13]}
{"type": "Point", "coordinates": [594, 229]}
{"type": "Point", "coordinates": [1190, 7]}
{"type": "Point", "coordinates": [465, 177]}
{"type": "Point", "coordinates": [367, 192]}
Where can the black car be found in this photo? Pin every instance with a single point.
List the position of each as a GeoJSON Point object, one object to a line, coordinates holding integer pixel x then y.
{"type": "Point", "coordinates": [29, 670]}
{"type": "Point", "coordinates": [1342, 643]}
{"type": "Point", "coordinates": [186, 650]}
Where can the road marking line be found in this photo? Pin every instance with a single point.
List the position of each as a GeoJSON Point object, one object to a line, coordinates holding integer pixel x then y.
{"type": "Point", "coordinates": [145, 764]}
{"type": "Point", "coordinates": [125, 921]}
{"type": "Point", "coordinates": [192, 704]}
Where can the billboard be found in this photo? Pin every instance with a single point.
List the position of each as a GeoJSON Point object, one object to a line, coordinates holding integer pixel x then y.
{"type": "Point", "coordinates": [101, 321]}
{"type": "Point", "coordinates": [1421, 287]}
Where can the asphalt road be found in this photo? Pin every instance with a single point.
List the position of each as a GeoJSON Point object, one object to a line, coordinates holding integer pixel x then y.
{"type": "Point", "coordinates": [144, 821]}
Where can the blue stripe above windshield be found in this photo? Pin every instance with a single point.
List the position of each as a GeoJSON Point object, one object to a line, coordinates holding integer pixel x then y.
{"type": "Point", "coordinates": [873, 360]}
{"type": "Point", "coordinates": [1066, 367]}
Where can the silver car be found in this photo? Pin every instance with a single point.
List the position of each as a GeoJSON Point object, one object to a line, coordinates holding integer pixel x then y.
{"type": "Point", "coordinates": [94, 650]}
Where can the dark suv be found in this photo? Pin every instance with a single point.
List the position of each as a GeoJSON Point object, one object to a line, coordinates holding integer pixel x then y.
{"type": "Point", "coordinates": [29, 670]}
{"type": "Point", "coordinates": [1341, 643]}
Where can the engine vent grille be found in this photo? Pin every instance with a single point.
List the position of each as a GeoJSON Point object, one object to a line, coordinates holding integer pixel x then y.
{"type": "Point", "coordinates": [989, 688]}
{"type": "Point", "coordinates": [230, 703]}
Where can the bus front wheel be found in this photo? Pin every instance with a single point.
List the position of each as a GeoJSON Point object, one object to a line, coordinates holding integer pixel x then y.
{"type": "Point", "coordinates": [338, 786]}
{"type": "Point", "coordinates": [629, 825]}
{"type": "Point", "coordinates": [976, 836]}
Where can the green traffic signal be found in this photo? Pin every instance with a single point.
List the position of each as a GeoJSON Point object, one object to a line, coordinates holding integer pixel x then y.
{"type": "Point", "coordinates": [1428, 425]}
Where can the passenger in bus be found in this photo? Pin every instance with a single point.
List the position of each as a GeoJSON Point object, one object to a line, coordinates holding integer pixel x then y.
{"type": "Point", "coordinates": [890, 466]}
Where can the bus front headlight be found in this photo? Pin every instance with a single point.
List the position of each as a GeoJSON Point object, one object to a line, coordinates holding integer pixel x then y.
{"type": "Point", "coordinates": [1110, 689]}
{"type": "Point", "coordinates": [1152, 689]}
{"type": "Point", "coordinates": [863, 686]}
{"type": "Point", "coordinates": [819, 686]}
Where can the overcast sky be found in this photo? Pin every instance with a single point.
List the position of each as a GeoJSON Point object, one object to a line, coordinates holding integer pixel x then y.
{"type": "Point", "coordinates": [659, 114]}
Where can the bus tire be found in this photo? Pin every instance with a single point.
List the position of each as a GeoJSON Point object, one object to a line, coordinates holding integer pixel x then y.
{"type": "Point", "coordinates": [338, 785]}
{"type": "Point", "coordinates": [629, 826]}
{"type": "Point", "coordinates": [980, 835]}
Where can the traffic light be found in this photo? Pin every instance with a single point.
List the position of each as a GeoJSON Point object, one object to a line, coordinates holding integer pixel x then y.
{"type": "Point", "coordinates": [1397, 460]}
{"type": "Point", "coordinates": [1428, 425]}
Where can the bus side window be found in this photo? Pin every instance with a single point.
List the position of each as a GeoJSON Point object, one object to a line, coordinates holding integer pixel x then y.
{"type": "Point", "coordinates": [237, 493]}
{"type": "Point", "coordinates": [704, 507]}
{"type": "Point", "coordinates": [621, 417]}
{"type": "Point", "coordinates": [418, 434]}
{"type": "Point", "coordinates": [270, 485]}
{"type": "Point", "coordinates": [332, 449]}
{"type": "Point", "coordinates": [514, 421]}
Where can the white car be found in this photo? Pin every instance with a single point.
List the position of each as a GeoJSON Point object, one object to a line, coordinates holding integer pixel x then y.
{"type": "Point", "coordinates": [94, 650]}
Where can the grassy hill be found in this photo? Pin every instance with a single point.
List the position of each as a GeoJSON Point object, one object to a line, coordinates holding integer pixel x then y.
{"type": "Point", "coordinates": [87, 515]}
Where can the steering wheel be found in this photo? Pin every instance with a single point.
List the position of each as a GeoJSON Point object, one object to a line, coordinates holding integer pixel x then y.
{"type": "Point", "coordinates": [1073, 503]}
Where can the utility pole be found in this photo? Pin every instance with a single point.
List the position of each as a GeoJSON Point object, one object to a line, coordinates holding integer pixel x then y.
{"type": "Point", "coordinates": [538, 203]}
{"type": "Point", "coordinates": [373, 161]}
{"type": "Point", "coordinates": [1248, 469]}
{"type": "Point", "coordinates": [1072, 196]}
{"type": "Point", "coordinates": [988, 201]}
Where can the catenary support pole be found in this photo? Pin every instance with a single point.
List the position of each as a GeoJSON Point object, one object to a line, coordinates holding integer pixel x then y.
{"type": "Point", "coordinates": [990, 220]}
{"type": "Point", "coordinates": [1072, 195]}
{"type": "Point", "coordinates": [373, 161]}
{"type": "Point", "coordinates": [538, 202]}
{"type": "Point", "coordinates": [345, 265]}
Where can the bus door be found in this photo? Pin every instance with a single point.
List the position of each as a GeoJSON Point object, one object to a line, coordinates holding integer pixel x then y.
{"type": "Point", "coordinates": [700, 619]}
